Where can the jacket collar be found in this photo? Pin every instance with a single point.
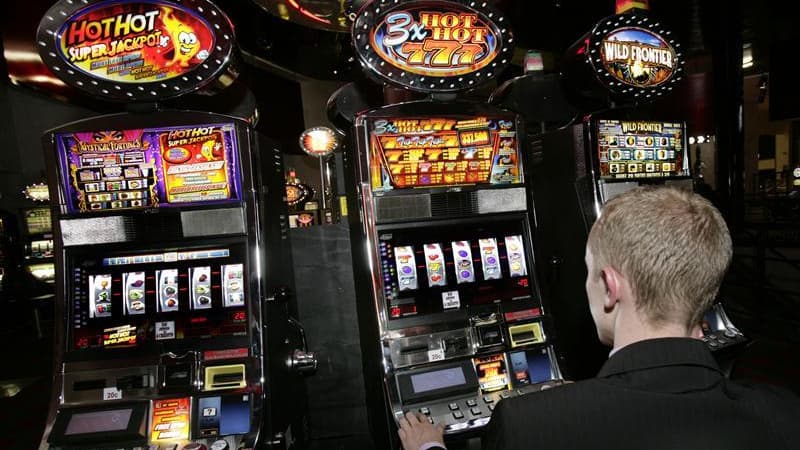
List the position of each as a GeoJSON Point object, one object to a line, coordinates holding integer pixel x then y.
{"type": "Point", "coordinates": [661, 352]}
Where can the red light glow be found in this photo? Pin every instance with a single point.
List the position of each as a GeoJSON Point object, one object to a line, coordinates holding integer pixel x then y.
{"type": "Point", "coordinates": [307, 13]}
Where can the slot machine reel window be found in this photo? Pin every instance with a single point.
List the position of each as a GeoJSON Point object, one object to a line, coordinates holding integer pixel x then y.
{"type": "Point", "coordinates": [439, 269]}
{"type": "Point", "coordinates": [127, 300]}
{"type": "Point", "coordinates": [431, 152]}
{"type": "Point", "coordinates": [633, 150]}
{"type": "Point", "coordinates": [149, 168]}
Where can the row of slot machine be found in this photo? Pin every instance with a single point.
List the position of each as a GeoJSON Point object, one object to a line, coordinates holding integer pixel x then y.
{"type": "Point", "coordinates": [27, 256]}
{"type": "Point", "coordinates": [467, 250]}
{"type": "Point", "coordinates": [173, 327]}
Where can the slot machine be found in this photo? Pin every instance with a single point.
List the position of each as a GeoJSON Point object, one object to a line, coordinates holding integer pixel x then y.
{"type": "Point", "coordinates": [580, 167]}
{"type": "Point", "coordinates": [450, 314]}
{"type": "Point", "coordinates": [38, 251]}
{"type": "Point", "coordinates": [168, 249]}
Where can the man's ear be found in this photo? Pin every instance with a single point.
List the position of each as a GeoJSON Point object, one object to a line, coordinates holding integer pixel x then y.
{"type": "Point", "coordinates": [612, 281]}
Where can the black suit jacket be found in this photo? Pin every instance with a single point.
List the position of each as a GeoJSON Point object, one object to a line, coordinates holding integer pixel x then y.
{"type": "Point", "coordinates": [657, 394]}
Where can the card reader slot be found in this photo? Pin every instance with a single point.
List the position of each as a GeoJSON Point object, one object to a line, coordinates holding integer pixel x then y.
{"type": "Point", "coordinates": [224, 377]}
{"type": "Point", "coordinates": [524, 336]}
{"type": "Point", "coordinates": [529, 333]}
{"type": "Point", "coordinates": [413, 349]}
{"type": "Point", "coordinates": [227, 379]}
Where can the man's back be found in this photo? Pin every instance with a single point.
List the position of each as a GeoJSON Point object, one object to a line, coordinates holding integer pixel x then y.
{"type": "Point", "coordinates": [655, 394]}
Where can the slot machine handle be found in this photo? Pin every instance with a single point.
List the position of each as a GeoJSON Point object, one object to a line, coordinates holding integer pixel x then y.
{"type": "Point", "coordinates": [280, 295]}
{"type": "Point", "coordinates": [365, 198]}
{"type": "Point", "coordinates": [301, 361]}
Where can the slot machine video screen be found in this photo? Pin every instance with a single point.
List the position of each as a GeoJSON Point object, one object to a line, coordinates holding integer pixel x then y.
{"type": "Point", "coordinates": [149, 167]}
{"type": "Point", "coordinates": [638, 149]}
{"type": "Point", "coordinates": [427, 152]}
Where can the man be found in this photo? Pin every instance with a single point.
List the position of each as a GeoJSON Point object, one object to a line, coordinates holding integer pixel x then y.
{"type": "Point", "coordinates": [655, 260]}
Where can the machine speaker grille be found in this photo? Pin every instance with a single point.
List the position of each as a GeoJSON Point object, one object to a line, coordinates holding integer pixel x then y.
{"type": "Point", "coordinates": [403, 207]}
{"type": "Point", "coordinates": [449, 204]}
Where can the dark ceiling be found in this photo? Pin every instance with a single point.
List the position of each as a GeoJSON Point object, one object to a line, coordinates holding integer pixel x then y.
{"type": "Point", "coordinates": [277, 52]}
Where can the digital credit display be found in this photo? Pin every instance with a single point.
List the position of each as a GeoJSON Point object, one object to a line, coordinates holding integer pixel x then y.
{"type": "Point", "coordinates": [630, 150]}
{"type": "Point", "coordinates": [149, 168]}
{"type": "Point", "coordinates": [98, 422]}
{"type": "Point", "coordinates": [413, 152]}
{"type": "Point", "coordinates": [437, 379]}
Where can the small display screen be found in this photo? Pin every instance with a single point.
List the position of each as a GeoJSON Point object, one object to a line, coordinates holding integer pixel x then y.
{"type": "Point", "coordinates": [437, 379]}
{"type": "Point", "coordinates": [170, 419]}
{"type": "Point", "coordinates": [492, 373]}
{"type": "Point", "coordinates": [414, 152]}
{"type": "Point", "coordinates": [98, 422]}
{"type": "Point", "coordinates": [37, 221]}
{"type": "Point", "coordinates": [149, 168]}
{"type": "Point", "coordinates": [637, 149]}
{"type": "Point", "coordinates": [530, 367]}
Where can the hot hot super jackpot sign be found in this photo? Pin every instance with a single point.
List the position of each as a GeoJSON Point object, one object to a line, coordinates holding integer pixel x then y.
{"type": "Point", "coordinates": [136, 50]}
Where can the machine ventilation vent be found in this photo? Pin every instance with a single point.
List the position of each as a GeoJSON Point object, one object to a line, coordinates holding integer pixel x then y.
{"type": "Point", "coordinates": [403, 207]}
{"type": "Point", "coordinates": [453, 204]}
{"type": "Point", "coordinates": [153, 226]}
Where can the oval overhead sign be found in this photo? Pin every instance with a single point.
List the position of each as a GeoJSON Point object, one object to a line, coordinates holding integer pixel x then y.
{"type": "Point", "coordinates": [432, 46]}
{"type": "Point", "coordinates": [638, 57]}
{"type": "Point", "coordinates": [143, 50]}
{"type": "Point", "coordinates": [634, 55]}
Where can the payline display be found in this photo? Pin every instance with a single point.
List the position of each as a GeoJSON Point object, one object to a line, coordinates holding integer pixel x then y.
{"type": "Point", "coordinates": [161, 342]}
{"type": "Point", "coordinates": [460, 319]}
{"type": "Point", "coordinates": [149, 167]}
{"type": "Point", "coordinates": [632, 150]}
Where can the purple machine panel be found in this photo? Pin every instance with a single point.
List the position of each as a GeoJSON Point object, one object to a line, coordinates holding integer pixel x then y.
{"type": "Point", "coordinates": [149, 168]}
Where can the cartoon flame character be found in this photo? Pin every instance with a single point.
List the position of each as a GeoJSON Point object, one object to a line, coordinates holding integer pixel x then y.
{"type": "Point", "coordinates": [184, 39]}
{"type": "Point", "coordinates": [207, 150]}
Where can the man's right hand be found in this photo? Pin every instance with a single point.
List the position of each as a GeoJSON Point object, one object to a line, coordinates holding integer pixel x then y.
{"type": "Point", "coordinates": [415, 431]}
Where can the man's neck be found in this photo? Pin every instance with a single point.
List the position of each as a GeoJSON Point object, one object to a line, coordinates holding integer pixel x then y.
{"type": "Point", "coordinates": [629, 329]}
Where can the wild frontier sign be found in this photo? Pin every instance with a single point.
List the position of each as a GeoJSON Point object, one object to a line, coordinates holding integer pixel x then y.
{"type": "Point", "coordinates": [638, 57]}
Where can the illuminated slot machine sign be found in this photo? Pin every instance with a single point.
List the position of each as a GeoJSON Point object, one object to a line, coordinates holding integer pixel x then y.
{"type": "Point", "coordinates": [443, 151]}
{"type": "Point", "coordinates": [632, 56]}
{"type": "Point", "coordinates": [632, 150]}
{"type": "Point", "coordinates": [432, 46]}
{"type": "Point", "coordinates": [149, 168]}
{"type": "Point", "coordinates": [145, 50]}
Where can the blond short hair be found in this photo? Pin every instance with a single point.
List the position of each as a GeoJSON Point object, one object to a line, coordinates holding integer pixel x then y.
{"type": "Point", "coordinates": [672, 245]}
